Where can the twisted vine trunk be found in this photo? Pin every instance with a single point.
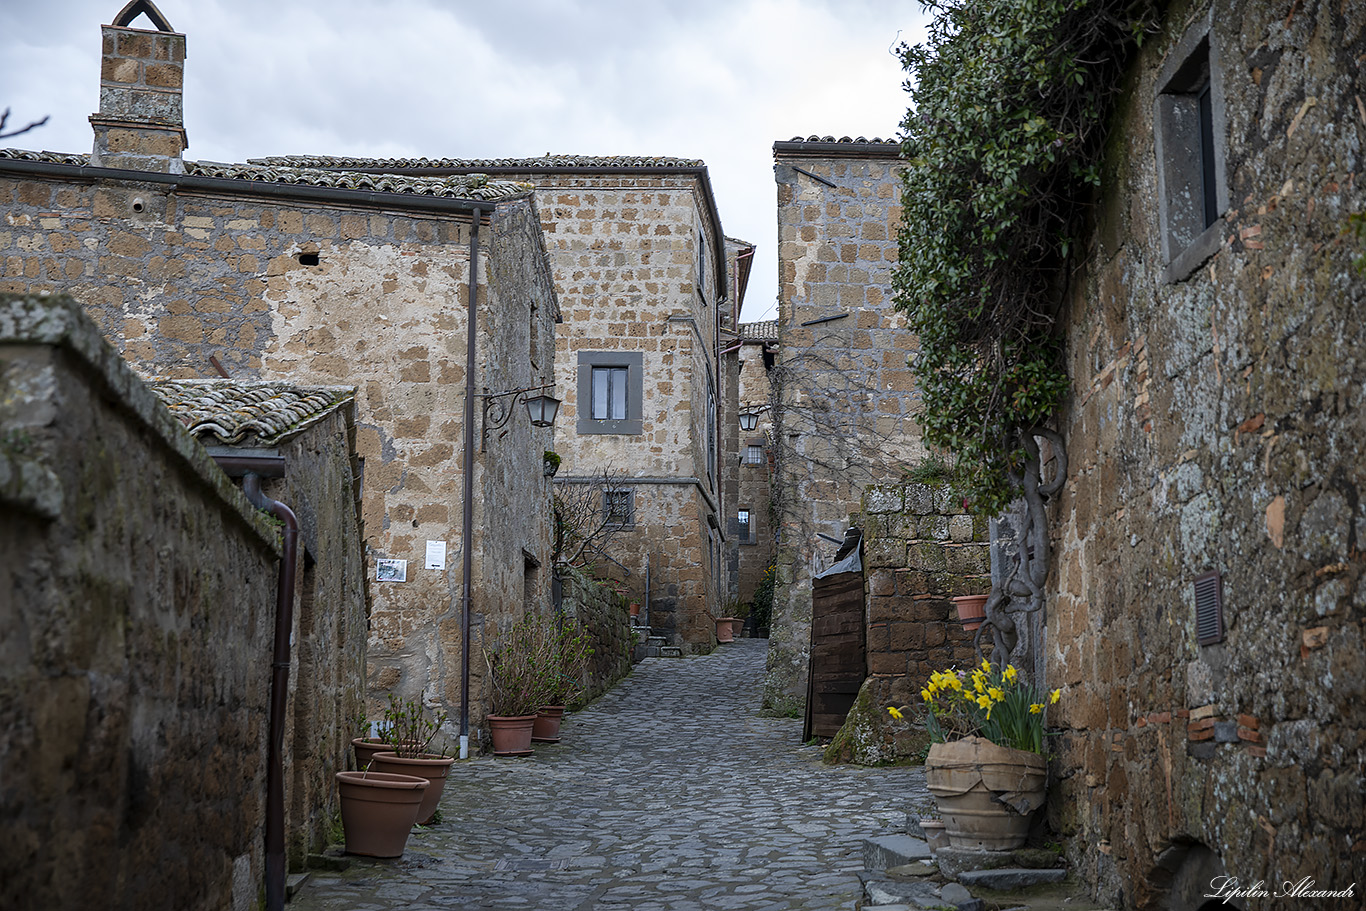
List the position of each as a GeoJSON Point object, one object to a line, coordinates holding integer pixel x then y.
{"type": "Point", "coordinates": [1021, 588]}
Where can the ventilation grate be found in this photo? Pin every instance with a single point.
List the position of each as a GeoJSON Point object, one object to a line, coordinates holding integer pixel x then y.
{"type": "Point", "coordinates": [1209, 608]}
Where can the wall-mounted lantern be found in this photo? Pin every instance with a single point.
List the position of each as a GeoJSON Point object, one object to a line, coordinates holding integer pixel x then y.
{"type": "Point", "coordinates": [540, 408]}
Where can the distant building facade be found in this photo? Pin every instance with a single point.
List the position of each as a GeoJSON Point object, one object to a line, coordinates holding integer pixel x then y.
{"type": "Point", "coordinates": [640, 271]}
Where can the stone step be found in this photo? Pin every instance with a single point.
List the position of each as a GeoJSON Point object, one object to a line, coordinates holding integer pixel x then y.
{"type": "Point", "coordinates": [671, 651]}
{"type": "Point", "coordinates": [956, 862]}
{"type": "Point", "coordinates": [1008, 879]}
{"type": "Point", "coordinates": [888, 851]}
{"type": "Point", "coordinates": [656, 640]}
{"type": "Point", "coordinates": [883, 894]}
{"type": "Point", "coordinates": [293, 883]}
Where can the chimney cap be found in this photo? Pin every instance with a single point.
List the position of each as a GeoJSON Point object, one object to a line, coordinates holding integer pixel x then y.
{"type": "Point", "coordinates": [136, 8]}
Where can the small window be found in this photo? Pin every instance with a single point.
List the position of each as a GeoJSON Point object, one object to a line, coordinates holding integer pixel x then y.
{"type": "Point", "coordinates": [1189, 133]}
{"type": "Point", "coordinates": [754, 455]}
{"type": "Point", "coordinates": [619, 506]}
{"type": "Point", "coordinates": [742, 525]}
{"type": "Point", "coordinates": [610, 392]}
{"type": "Point", "coordinates": [702, 266]}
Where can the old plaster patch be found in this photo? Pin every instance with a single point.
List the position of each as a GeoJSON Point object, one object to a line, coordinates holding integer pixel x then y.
{"type": "Point", "coordinates": [1275, 521]}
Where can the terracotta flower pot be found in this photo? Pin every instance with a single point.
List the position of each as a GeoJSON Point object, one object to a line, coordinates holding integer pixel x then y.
{"type": "Point", "coordinates": [725, 629]}
{"type": "Point", "coordinates": [511, 734]}
{"type": "Point", "coordinates": [430, 766]}
{"type": "Point", "coordinates": [971, 610]}
{"type": "Point", "coordinates": [935, 835]}
{"type": "Point", "coordinates": [986, 793]}
{"type": "Point", "coordinates": [546, 728]}
{"type": "Point", "coordinates": [378, 811]}
{"type": "Point", "coordinates": [367, 747]}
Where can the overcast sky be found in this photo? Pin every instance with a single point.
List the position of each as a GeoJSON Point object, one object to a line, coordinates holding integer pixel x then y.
{"type": "Point", "coordinates": [719, 80]}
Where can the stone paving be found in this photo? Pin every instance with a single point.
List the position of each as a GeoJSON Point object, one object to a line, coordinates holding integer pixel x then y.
{"type": "Point", "coordinates": [669, 793]}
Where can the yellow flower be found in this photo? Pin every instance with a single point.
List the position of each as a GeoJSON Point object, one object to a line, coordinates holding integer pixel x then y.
{"type": "Point", "coordinates": [984, 702]}
{"type": "Point", "coordinates": [955, 683]}
{"type": "Point", "coordinates": [1011, 673]}
{"type": "Point", "coordinates": [996, 693]}
{"type": "Point", "coordinates": [1055, 696]}
{"type": "Point", "coordinates": [1036, 708]}
{"type": "Point", "coordinates": [978, 685]}
{"type": "Point", "coordinates": [986, 665]}
{"type": "Point", "coordinates": [895, 712]}
{"type": "Point", "coordinates": [927, 695]}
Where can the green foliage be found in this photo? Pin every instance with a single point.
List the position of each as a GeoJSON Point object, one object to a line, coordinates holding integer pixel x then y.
{"type": "Point", "coordinates": [933, 470]}
{"type": "Point", "coordinates": [570, 648]}
{"type": "Point", "coordinates": [1002, 148]}
{"type": "Point", "coordinates": [410, 729]}
{"type": "Point", "coordinates": [761, 605]}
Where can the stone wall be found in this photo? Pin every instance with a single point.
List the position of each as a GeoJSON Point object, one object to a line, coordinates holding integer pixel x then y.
{"type": "Point", "coordinates": [606, 615]}
{"type": "Point", "coordinates": [137, 601]}
{"type": "Point", "coordinates": [755, 480]}
{"type": "Point", "coordinates": [284, 282]}
{"type": "Point", "coordinates": [327, 680]}
{"type": "Point", "coordinates": [1216, 425]}
{"type": "Point", "coordinates": [846, 402]}
{"type": "Point", "coordinates": [921, 548]}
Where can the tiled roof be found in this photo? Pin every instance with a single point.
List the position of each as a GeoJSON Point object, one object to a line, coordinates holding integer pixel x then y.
{"type": "Point", "coordinates": [606, 162]}
{"type": "Point", "coordinates": [840, 139]}
{"type": "Point", "coordinates": [240, 411]}
{"type": "Point", "coordinates": [766, 331]}
{"type": "Point", "coordinates": [466, 186]}
{"type": "Point", "coordinates": [52, 157]}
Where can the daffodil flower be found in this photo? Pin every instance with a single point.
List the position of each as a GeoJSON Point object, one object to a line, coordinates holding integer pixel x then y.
{"type": "Point", "coordinates": [1055, 696]}
{"type": "Point", "coordinates": [996, 693]}
{"type": "Point", "coordinates": [927, 695]}
{"type": "Point", "coordinates": [895, 712]}
{"type": "Point", "coordinates": [1011, 673]}
{"type": "Point", "coordinates": [984, 702]}
{"type": "Point", "coordinates": [1036, 708]}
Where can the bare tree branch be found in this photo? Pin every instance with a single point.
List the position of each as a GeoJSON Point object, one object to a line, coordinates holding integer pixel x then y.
{"type": "Point", "coordinates": [4, 119]}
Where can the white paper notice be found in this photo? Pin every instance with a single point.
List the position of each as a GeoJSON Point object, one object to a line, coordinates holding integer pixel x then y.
{"type": "Point", "coordinates": [436, 555]}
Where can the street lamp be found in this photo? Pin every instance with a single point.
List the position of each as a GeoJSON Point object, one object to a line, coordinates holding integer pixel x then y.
{"type": "Point", "coordinates": [540, 409]}
{"type": "Point", "coordinates": [749, 420]}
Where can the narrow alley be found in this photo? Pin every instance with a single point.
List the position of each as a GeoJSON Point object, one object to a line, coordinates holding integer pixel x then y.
{"type": "Point", "coordinates": [669, 792]}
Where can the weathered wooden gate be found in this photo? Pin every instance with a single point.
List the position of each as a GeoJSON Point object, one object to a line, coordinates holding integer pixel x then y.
{"type": "Point", "coordinates": [838, 659]}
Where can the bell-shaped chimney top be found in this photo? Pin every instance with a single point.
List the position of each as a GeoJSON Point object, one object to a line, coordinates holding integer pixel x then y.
{"type": "Point", "coordinates": [141, 123]}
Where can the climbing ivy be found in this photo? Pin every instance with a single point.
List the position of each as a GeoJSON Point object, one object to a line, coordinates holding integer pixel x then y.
{"type": "Point", "coordinates": [1002, 146]}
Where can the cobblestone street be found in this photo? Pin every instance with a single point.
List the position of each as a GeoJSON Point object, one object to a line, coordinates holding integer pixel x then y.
{"type": "Point", "coordinates": [667, 794]}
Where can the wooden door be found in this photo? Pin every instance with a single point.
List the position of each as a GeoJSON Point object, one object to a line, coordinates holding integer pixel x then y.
{"type": "Point", "coordinates": [838, 660]}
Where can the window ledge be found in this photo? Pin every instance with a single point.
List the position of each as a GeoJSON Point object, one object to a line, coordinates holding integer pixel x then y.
{"type": "Point", "coordinates": [1195, 255]}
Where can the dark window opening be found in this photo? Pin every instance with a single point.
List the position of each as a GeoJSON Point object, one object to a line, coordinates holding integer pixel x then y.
{"type": "Point", "coordinates": [619, 507]}
{"type": "Point", "coordinates": [308, 259]}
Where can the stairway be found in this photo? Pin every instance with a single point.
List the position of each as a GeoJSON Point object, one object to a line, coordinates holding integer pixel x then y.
{"type": "Point", "coordinates": [648, 645]}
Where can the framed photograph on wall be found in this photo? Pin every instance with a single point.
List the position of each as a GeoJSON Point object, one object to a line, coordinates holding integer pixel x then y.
{"type": "Point", "coordinates": [391, 570]}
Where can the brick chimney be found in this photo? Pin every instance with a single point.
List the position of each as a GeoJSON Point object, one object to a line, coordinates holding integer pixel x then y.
{"type": "Point", "coordinates": [140, 125]}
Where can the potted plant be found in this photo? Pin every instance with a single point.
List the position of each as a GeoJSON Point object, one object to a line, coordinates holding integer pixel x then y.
{"type": "Point", "coordinates": [985, 767]}
{"type": "Point", "coordinates": [550, 463]}
{"type": "Point", "coordinates": [378, 810]}
{"type": "Point", "coordinates": [410, 731]}
{"type": "Point", "coordinates": [518, 670]}
{"type": "Point", "coordinates": [571, 647]}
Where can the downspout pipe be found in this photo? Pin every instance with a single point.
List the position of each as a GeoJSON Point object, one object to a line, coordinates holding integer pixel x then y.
{"type": "Point", "coordinates": [279, 692]}
{"type": "Point", "coordinates": [467, 523]}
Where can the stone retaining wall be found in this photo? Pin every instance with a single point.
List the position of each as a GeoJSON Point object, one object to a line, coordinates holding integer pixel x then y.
{"type": "Point", "coordinates": [607, 616]}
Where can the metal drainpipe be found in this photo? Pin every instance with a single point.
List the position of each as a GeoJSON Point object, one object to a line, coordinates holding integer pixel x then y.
{"type": "Point", "coordinates": [467, 525]}
{"type": "Point", "coordinates": [279, 692]}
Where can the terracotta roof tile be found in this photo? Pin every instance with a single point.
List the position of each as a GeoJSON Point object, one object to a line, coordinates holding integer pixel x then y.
{"type": "Point", "coordinates": [841, 139]}
{"type": "Point", "coordinates": [465, 186]}
{"type": "Point", "coordinates": [765, 331]}
{"type": "Point", "coordinates": [242, 411]}
{"type": "Point", "coordinates": [605, 162]}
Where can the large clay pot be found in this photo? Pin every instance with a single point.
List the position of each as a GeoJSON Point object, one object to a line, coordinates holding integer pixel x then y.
{"type": "Point", "coordinates": [431, 766]}
{"type": "Point", "coordinates": [546, 728]}
{"type": "Point", "coordinates": [511, 734]}
{"type": "Point", "coordinates": [367, 747]}
{"type": "Point", "coordinates": [971, 610]}
{"type": "Point", "coordinates": [378, 811]}
{"type": "Point", "coordinates": [725, 629]}
{"type": "Point", "coordinates": [986, 793]}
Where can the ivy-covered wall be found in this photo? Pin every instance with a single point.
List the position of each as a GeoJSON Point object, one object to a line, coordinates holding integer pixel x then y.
{"type": "Point", "coordinates": [1215, 423]}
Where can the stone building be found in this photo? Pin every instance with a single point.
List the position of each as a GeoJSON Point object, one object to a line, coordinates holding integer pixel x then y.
{"type": "Point", "coordinates": [326, 278]}
{"type": "Point", "coordinates": [845, 395]}
{"type": "Point", "coordinates": [756, 353]}
{"type": "Point", "coordinates": [1207, 600]}
{"type": "Point", "coordinates": [139, 615]}
{"type": "Point", "coordinates": [639, 261]}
